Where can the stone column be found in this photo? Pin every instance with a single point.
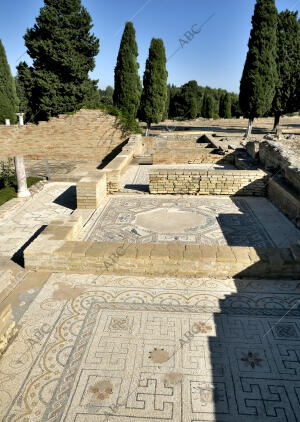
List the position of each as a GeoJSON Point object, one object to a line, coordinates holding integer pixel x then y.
{"type": "Point", "coordinates": [23, 191]}
{"type": "Point", "coordinates": [7, 122]}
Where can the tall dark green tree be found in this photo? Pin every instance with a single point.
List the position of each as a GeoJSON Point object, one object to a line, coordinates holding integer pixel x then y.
{"type": "Point", "coordinates": [189, 99]}
{"type": "Point", "coordinates": [257, 88]}
{"type": "Point", "coordinates": [167, 108]}
{"type": "Point", "coordinates": [154, 94]}
{"type": "Point", "coordinates": [288, 64]}
{"type": "Point", "coordinates": [127, 93]}
{"type": "Point", "coordinates": [106, 95]}
{"type": "Point", "coordinates": [63, 50]}
{"type": "Point", "coordinates": [225, 106]}
{"type": "Point", "coordinates": [8, 97]}
{"type": "Point", "coordinates": [208, 106]}
{"type": "Point", "coordinates": [235, 106]}
{"type": "Point", "coordinates": [174, 90]}
{"type": "Point", "coordinates": [24, 84]}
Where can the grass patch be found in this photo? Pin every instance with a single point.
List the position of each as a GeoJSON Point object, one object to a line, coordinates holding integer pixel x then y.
{"type": "Point", "coordinates": [10, 192]}
{"type": "Point", "coordinates": [6, 194]}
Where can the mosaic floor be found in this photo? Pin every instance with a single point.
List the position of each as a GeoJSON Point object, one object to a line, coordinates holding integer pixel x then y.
{"type": "Point", "coordinates": [200, 220]}
{"type": "Point", "coordinates": [143, 349]}
{"type": "Point", "coordinates": [19, 226]}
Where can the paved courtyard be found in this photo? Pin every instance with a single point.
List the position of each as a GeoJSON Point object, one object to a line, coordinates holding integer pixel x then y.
{"type": "Point", "coordinates": [205, 220]}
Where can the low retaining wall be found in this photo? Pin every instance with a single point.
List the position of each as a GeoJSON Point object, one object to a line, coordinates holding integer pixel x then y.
{"type": "Point", "coordinates": [190, 156]}
{"type": "Point", "coordinates": [56, 250]}
{"type": "Point", "coordinates": [285, 198]}
{"type": "Point", "coordinates": [208, 182]}
{"type": "Point", "coordinates": [93, 187]}
{"type": "Point", "coordinates": [276, 157]}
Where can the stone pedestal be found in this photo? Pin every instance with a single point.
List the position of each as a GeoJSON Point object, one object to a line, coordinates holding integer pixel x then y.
{"type": "Point", "coordinates": [23, 192]}
{"type": "Point", "coordinates": [21, 118]}
{"type": "Point", "coordinates": [7, 122]}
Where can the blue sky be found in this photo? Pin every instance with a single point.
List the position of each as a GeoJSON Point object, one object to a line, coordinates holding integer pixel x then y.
{"type": "Point", "coordinates": [214, 57]}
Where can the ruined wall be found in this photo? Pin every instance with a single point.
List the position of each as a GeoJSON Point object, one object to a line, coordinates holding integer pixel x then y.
{"type": "Point", "coordinates": [277, 158]}
{"type": "Point", "coordinates": [208, 182]}
{"type": "Point", "coordinates": [189, 156]}
{"type": "Point", "coordinates": [94, 186]}
{"type": "Point", "coordinates": [56, 249]}
{"type": "Point", "coordinates": [284, 186]}
{"type": "Point", "coordinates": [285, 198]}
{"type": "Point", "coordinates": [86, 135]}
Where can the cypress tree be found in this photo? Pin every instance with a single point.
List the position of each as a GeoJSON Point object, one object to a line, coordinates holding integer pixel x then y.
{"type": "Point", "coordinates": [235, 106]}
{"type": "Point", "coordinates": [154, 94]}
{"type": "Point", "coordinates": [257, 88]}
{"type": "Point", "coordinates": [24, 89]}
{"type": "Point", "coordinates": [63, 50]}
{"type": "Point", "coordinates": [127, 91]}
{"type": "Point", "coordinates": [288, 64]}
{"type": "Point", "coordinates": [189, 99]}
{"type": "Point", "coordinates": [167, 108]}
{"type": "Point", "coordinates": [225, 106]}
{"type": "Point", "coordinates": [8, 96]}
{"type": "Point", "coordinates": [208, 106]}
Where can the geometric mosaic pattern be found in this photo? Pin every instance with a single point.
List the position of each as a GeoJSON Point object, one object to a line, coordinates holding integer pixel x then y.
{"type": "Point", "coordinates": [220, 221]}
{"type": "Point", "coordinates": [136, 349]}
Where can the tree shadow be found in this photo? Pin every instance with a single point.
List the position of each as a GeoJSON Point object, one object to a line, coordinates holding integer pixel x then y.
{"type": "Point", "coordinates": [217, 129]}
{"type": "Point", "coordinates": [295, 126]}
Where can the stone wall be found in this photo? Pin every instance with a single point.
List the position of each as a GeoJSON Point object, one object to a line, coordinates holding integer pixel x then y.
{"type": "Point", "coordinates": [189, 156]}
{"type": "Point", "coordinates": [252, 148]}
{"type": "Point", "coordinates": [179, 141]}
{"type": "Point", "coordinates": [285, 198]}
{"type": "Point", "coordinates": [56, 249]}
{"type": "Point", "coordinates": [284, 186]}
{"type": "Point", "coordinates": [86, 135]}
{"type": "Point", "coordinates": [208, 182]}
{"type": "Point", "coordinates": [90, 190]}
{"type": "Point", "coordinates": [94, 186]}
{"type": "Point", "coordinates": [275, 157]}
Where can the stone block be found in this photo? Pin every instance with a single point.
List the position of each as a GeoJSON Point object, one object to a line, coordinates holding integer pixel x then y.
{"type": "Point", "coordinates": [241, 253]}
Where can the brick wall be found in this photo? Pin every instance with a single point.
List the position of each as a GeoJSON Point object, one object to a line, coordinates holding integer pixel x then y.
{"type": "Point", "coordinates": [94, 186]}
{"type": "Point", "coordinates": [86, 135]}
{"type": "Point", "coordinates": [90, 190]}
{"type": "Point", "coordinates": [208, 182]}
{"type": "Point", "coordinates": [189, 156]}
{"type": "Point", "coordinates": [56, 249]}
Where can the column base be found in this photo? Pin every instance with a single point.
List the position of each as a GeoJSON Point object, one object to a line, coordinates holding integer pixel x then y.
{"type": "Point", "coordinates": [24, 194]}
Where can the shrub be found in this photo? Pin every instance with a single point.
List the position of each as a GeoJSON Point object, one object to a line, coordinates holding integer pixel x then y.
{"type": "Point", "coordinates": [7, 173]}
{"type": "Point", "coordinates": [129, 124]}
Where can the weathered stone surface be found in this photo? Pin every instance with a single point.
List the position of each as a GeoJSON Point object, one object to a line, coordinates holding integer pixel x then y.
{"type": "Point", "coordinates": [209, 182]}
{"type": "Point", "coordinates": [88, 134]}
